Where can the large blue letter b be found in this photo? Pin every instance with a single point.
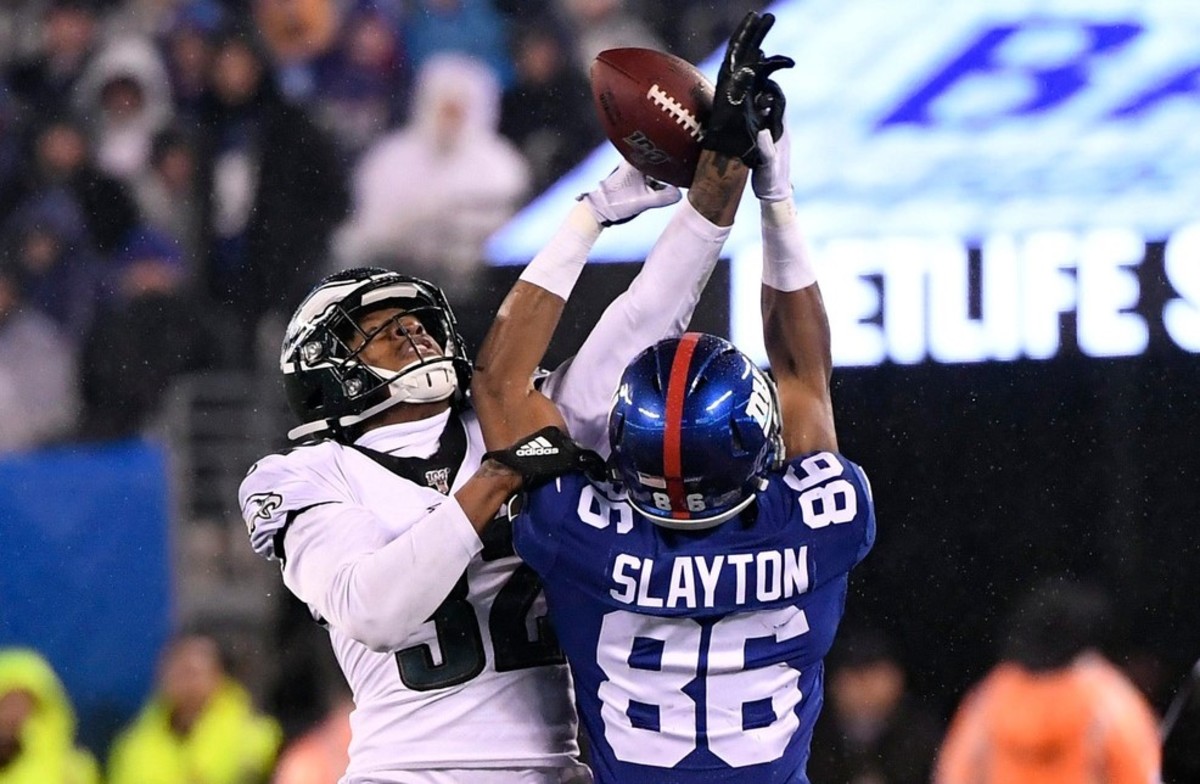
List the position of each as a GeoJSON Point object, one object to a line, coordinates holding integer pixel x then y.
{"type": "Point", "coordinates": [1051, 74]}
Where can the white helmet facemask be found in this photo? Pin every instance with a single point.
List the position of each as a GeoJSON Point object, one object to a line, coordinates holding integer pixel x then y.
{"type": "Point", "coordinates": [432, 380]}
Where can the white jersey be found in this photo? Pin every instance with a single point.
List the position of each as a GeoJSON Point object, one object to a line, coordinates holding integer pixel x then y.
{"type": "Point", "coordinates": [443, 636]}
{"type": "Point", "coordinates": [482, 682]}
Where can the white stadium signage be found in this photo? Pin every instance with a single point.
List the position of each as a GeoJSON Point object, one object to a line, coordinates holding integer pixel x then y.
{"type": "Point", "coordinates": [1057, 137]}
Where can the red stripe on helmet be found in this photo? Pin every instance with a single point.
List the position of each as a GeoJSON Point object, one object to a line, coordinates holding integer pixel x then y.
{"type": "Point", "coordinates": [677, 386]}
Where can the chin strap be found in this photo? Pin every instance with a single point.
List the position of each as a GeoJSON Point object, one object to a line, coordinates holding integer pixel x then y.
{"type": "Point", "coordinates": [428, 383]}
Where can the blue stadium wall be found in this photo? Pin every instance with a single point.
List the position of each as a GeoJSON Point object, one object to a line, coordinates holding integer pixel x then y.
{"type": "Point", "coordinates": [86, 575]}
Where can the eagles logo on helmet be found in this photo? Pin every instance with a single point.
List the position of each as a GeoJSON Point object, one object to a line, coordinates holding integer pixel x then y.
{"type": "Point", "coordinates": [329, 388]}
{"type": "Point", "coordinates": [695, 427]}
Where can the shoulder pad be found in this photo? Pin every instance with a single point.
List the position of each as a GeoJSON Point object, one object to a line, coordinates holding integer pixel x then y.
{"type": "Point", "coordinates": [282, 484]}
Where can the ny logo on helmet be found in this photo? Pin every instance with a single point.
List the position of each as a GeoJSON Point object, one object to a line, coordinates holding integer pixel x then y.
{"type": "Point", "coordinates": [760, 406]}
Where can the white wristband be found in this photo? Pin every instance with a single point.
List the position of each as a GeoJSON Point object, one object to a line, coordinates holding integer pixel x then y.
{"type": "Point", "coordinates": [786, 264]}
{"type": "Point", "coordinates": [556, 267]}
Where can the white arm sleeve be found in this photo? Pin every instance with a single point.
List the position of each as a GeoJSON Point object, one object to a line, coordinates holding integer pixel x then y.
{"type": "Point", "coordinates": [373, 586]}
{"type": "Point", "coordinates": [557, 265]}
{"type": "Point", "coordinates": [786, 262]}
{"type": "Point", "coordinates": [658, 304]}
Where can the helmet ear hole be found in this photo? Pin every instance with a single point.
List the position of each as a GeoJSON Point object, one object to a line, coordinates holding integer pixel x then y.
{"type": "Point", "coordinates": [315, 399]}
{"type": "Point", "coordinates": [735, 434]}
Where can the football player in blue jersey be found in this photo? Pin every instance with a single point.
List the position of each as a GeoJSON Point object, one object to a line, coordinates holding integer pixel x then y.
{"type": "Point", "coordinates": [698, 582]}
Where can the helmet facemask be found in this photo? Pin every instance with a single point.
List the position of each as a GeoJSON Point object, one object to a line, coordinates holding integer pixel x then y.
{"type": "Point", "coordinates": [428, 378]}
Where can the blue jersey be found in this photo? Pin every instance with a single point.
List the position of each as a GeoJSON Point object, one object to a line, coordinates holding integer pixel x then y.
{"type": "Point", "coordinates": [697, 655]}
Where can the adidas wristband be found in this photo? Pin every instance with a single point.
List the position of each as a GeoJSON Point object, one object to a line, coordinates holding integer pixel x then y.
{"type": "Point", "coordinates": [543, 455]}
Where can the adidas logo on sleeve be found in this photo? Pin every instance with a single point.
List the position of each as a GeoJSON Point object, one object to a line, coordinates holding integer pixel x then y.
{"type": "Point", "coordinates": [536, 448]}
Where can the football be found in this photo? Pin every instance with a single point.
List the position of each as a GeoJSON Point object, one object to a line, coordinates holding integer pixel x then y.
{"type": "Point", "coordinates": [653, 107]}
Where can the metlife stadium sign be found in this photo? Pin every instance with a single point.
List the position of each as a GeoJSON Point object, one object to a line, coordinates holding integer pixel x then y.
{"type": "Point", "coordinates": [1057, 137]}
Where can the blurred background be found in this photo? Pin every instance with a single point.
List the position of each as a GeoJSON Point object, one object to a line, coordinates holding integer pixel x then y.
{"type": "Point", "coordinates": [1003, 204]}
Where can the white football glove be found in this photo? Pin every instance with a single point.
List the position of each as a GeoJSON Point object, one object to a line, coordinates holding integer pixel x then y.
{"type": "Point", "coordinates": [626, 193]}
{"type": "Point", "coordinates": [772, 177]}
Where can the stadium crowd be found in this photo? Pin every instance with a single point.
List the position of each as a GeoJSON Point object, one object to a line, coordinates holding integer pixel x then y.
{"type": "Point", "coordinates": [173, 177]}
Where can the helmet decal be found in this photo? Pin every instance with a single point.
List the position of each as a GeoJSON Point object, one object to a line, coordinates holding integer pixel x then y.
{"type": "Point", "coordinates": [677, 386]}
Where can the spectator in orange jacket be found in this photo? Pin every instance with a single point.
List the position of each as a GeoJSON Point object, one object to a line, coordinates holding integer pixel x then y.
{"type": "Point", "coordinates": [321, 754]}
{"type": "Point", "coordinates": [1054, 710]}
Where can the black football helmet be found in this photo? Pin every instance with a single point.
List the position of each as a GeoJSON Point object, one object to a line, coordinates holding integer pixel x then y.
{"type": "Point", "coordinates": [329, 388]}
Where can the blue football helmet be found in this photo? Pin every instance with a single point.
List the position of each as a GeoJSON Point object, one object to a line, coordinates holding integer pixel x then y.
{"type": "Point", "coordinates": [694, 429]}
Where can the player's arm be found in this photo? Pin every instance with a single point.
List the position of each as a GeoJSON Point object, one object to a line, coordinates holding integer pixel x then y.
{"type": "Point", "coordinates": [367, 576]}
{"type": "Point", "coordinates": [796, 335]}
{"type": "Point", "coordinates": [658, 304]}
{"type": "Point", "coordinates": [481, 496]}
{"type": "Point", "coordinates": [370, 584]}
{"type": "Point", "coordinates": [508, 405]}
{"type": "Point", "coordinates": [502, 392]}
{"type": "Point", "coordinates": [619, 197]}
{"type": "Point", "coordinates": [660, 301]}
{"type": "Point", "coordinates": [795, 325]}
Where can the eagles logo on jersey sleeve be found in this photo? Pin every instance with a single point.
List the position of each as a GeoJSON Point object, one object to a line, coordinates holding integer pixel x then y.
{"type": "Point", "coordinates": [279, 486]}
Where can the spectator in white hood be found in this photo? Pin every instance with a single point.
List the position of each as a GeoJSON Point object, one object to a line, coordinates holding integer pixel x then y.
{"type": "Point", "coordinates": [39, 399]}
{"type": "Point", "coordinates": [427, 196]}
{"type": "Point", "coordinates": [126, 97]}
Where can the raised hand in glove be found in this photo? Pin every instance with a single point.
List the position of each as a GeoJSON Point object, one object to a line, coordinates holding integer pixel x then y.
{"type": "Point", "coordinates": [736, 118]}
{"type": "Point", "coordinates": [626, 193]}
{"type": "Point", "coordinates": [548, 453]}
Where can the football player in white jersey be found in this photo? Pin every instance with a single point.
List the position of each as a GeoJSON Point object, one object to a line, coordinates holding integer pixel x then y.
{"type": "Point", "coordinates": [382, 517]}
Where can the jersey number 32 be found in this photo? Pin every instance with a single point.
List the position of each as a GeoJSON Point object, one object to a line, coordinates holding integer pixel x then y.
{"type": "Point", "coordinates": [461, 640]}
